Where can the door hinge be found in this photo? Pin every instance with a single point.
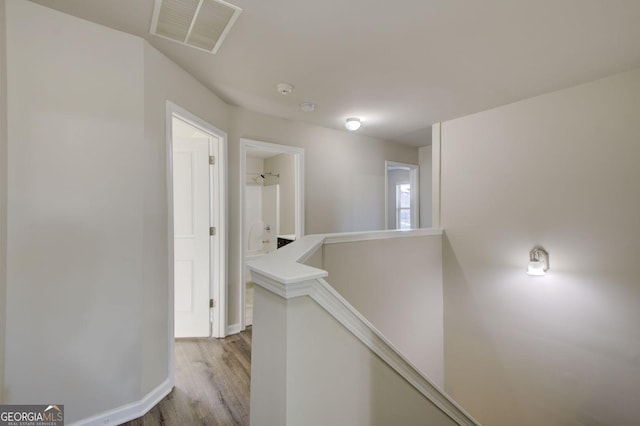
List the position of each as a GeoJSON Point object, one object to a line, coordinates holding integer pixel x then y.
{"type": "Point", "coordinates": [212, 303]}
{"type": "Point", "coordinates": [212, 160]}
{"type": "Point", "coordinates": [212, 231]}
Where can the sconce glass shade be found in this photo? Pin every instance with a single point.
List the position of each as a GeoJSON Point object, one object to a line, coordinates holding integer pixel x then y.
{"type": "Point", "coordinates": [535, 268]}
{"type": "Point", "coordinates": [538, 261]}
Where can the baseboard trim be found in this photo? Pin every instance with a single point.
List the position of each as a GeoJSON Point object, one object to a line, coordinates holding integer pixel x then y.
{"type": "Point", "coordinates": [234, 329]}
{"type": "Point", "coordinates": [130, 411]}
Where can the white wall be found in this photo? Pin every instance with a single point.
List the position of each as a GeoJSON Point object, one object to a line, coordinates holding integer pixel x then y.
{"type": "Point", "coordinates": [344, 179]}
{"type": "Point", "coordinates": [3, 192]}
{"type": "Point", "coordinates": [88, 319]}
{"type": "Point", "coordinates": [426, 193]}
{"type": "Point", "coordinates": [397, 285]}
{"type": "Point", "coordinates": [253, 165]}
{"type": "Point", "coordinates": [560, 170]}
{"type": "Point", "coordinates": [75, 244]}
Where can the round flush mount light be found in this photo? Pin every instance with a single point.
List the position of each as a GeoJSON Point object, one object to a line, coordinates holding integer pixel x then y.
{"type": "Point", "coordinates": [352, 124]}
{"type": "Point", "coordinates": [308, 106]}
{"type": "Point", "coordinates": [284, 88]}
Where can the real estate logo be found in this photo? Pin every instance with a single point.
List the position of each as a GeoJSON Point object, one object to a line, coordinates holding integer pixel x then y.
{"type": "Point", "coordinates": [32, 415]}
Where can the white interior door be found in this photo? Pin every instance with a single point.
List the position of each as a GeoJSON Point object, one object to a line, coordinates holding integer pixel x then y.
{"type": "Point", "coordinates": [191, 201]}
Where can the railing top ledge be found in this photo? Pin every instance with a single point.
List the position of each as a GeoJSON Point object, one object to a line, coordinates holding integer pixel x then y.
{"type": "Point", "coordinates": [284, 265]}
{"type": "Point", "coordinates": [346, 237]}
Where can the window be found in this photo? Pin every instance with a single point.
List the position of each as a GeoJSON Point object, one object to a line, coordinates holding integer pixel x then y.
{"type": "Point", "coordinates": [401, 196]}
{"type": "Point", "coordinates": [403, 206]}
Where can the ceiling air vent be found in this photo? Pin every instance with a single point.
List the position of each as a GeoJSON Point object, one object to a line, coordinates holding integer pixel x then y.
{"type": "Point", "coordinates": [202, 24]}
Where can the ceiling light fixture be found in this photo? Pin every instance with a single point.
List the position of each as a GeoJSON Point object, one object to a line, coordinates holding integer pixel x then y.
{"type": "Point", "coordinates": [284, 88]}
{"type": "Point", "coordinates": [308, 106]}
{"type": "Point", "coordinates": [538, 261]}
{"type": "Point", "coordinates": [352, 124]}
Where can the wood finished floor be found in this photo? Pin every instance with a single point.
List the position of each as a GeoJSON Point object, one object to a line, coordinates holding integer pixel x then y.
{"type": "Point", "coordinates": [212, 378]}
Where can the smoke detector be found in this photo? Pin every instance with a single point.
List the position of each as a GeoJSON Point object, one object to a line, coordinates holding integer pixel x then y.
{"type": "Point", "coordinates": [284, 88]}
{"type": "Point", "coordinates": [202, 24]}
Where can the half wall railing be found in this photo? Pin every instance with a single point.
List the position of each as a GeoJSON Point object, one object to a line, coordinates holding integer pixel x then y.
{"type": "Point", "coordinates": [317, 359]}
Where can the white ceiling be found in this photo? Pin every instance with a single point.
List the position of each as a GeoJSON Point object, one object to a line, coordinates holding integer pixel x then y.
{"type": "Point", "coordinates": [400, 65]}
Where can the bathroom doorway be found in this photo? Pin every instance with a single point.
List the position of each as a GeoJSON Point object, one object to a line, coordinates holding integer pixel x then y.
{"type": "Point", "coordinates": [272, 206]}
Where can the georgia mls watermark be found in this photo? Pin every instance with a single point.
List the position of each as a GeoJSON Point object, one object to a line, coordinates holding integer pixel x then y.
{"type": "Point", "coordinates": [32, 415]}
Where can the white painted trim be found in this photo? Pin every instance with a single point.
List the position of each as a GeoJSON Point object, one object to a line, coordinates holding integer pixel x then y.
{"type": "Point", "coordinates": [285, 265]}
{"type": "Point", "coordinates": [386, 195]}
{"type": "Point", "coordinates": [227, 28]}
{"type": "Point", "coordinates": [359, 326]}
{"type": "Point", "coordinates": [170, 243]}
{"type": "Point", "coordinates": [298, 153]}
{"type": "Point", "coordinates": [274, 286]}
{"type": "Point", "coordinates": [155, 16]}
{"type": "Point", "coordinates": [218, 262]}
{"type": "Point", "coordinates": [129, 411]}
{"type": "Point", "coordinates": [303, 254]}
{"type": "Point", "coordinates": [286, 291]}
{"type": "Point", "coordinates": [436, 156]}
{"type": "Point", "coordinates": [350, 237]}
{"type": "Point", "coordinates": [223, 220]}
{"type": "Point", "coordinates": [234, 329]}
{"type": "Point", "coordinates": [415, 196]}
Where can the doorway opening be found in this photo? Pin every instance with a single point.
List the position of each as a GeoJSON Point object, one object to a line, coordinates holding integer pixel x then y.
{"type": "Point", "coordinates": [197, 222]}
{"type": "Point", "coordinates": [272, 207]}
{"type": "Point", "coordinates": [401, 194]}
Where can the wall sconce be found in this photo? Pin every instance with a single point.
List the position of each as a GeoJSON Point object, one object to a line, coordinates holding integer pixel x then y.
{"type": "Point", "coordinates": [538, 261]}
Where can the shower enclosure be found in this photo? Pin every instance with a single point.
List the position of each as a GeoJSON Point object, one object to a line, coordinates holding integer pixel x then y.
{"type": "Point", "coordinates": [262, 220]}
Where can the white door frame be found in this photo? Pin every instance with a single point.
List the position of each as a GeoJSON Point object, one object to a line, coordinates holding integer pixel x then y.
{"type": "Point", "coordinates": [415, 191]}
{"type": "Point", "coordinates": [218, 219]}
{"type": "Point", "coordinates": [298, 156]}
